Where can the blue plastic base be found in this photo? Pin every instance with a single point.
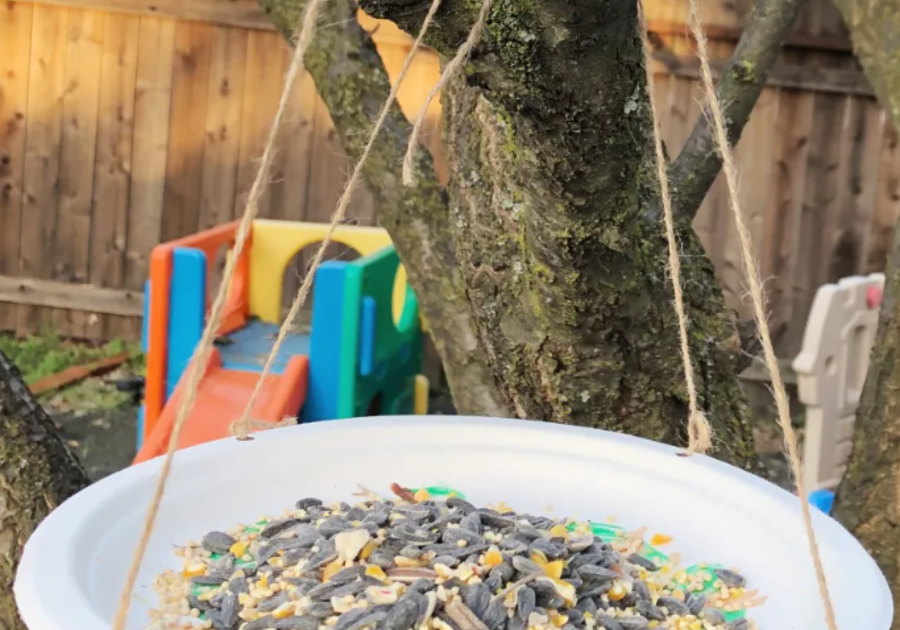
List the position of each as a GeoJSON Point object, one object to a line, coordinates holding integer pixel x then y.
{"type": "Point", "coordinates": [248, 348]}
{"type": "Point", "coordinates": [822, 499]}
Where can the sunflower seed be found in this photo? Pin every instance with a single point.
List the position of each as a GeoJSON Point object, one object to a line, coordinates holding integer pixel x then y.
{"type": "Point", "coordinates": [674, 606]}
{"type": "Point", "coordinates": [349, 618]}
{"type": "Point", "coordinates": [412, 552]}
{"type": "Point", "coordinates": [592, 573]}
{"type": "Point", "coordinates": [492, 519]}
{"type": "Point", "coordinates": [297, 622]}
{"type": "Point", "coordinates": [326, 554]}
{"type": "Point", "coordinates": [304, 585]}
{"type": "Point", "coordinates": [333, 525]}
{"type": "Point", "coordinates": [460, 504]}
{"type": "Point", "coordinates": [239, 585]}
{"type": "Point", "coordinates": [448, 561]}
{"type": "Point", "coordinates": [228, 611]}
{"type": "Point", "coordinates": [737, 624]}
{"type": "Point", "coordinates": [553, 550]}
{"type": "Point", "coordinates": [402, 616]}
{"type": "Point", "coordinates": [417, 513]}
{"type": "Point", "coordinates": [577, 544]}
{"type": "Point", "coordinates": [217, 542]}
{"type": "Point", "coordinates": [526, 602]}
{"type": "Point", "coordinates": [305, 504]}
{"type": "Point", "coordinates": [494, 583]}
{"type": "Point", "coordinates": [263, 623]}
{"type": "Point", "coordinates": [514, 546]}
{"type": "Point", "coordinates": [635, 622]}
{"type": "Point", "coordinates": [651, 612]}
{"type": "Point", "coordinates": [276, 527]}
{"type": "Point", "coordinates": [199, 604]}
{"type": "Point", "coordinates": [641, 561]}
{"type": "Point", "coordinates": [586, 605]}
{"type": "Point", "coordinates": [607, 622]}
{"type": "Point", "coordinates": [526, 566]}
{"type": "Point", "coordinates": [730, 578]}
{"type": "Point", "coordinates": [494, 616]}
{"type": "Point", "coordinates": [504, 571]}
{"type": "Point", "coordinates": [408, 531]}
{"type": "Point", "coordinates": [377, 517]}
{"type": "Point", "coordinates": [576, 617]}
{"type": "Point", "coordinates": [455, 534]}
{"type": "Point", "coordinates": [271, 603]}
{"type": "Point", "coordinates": [320, 610]}
{"type": "Point", "coordinates": [516, 623]}
{"type": "Point", "coordinates": [640, 590]}
{"type": "Point", "coordinates": [715, 616]}
{"type": "Point", "coordinates": [695, 603]}
{"type": "Point", "coordinates": [348, 575]}
{"type": "Point", "coordinates": [382, 558]}
{"type": "Point", "coordinates": [472, 523]}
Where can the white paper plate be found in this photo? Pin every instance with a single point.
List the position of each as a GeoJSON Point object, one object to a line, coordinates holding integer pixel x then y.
{"type": "Point", "coordinates": [73, 568]}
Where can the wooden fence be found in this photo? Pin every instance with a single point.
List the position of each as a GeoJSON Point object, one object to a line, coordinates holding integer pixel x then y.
{"type": "Point", "coordinates": [125, 123]}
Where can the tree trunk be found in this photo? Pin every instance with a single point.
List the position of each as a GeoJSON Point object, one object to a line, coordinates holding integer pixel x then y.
{"type": "Point", "coordinates": [544, 268]}
{"type": "Point", "coordinates": [37, 473]}
{"type": "Point", "coordinates": [868, 499]}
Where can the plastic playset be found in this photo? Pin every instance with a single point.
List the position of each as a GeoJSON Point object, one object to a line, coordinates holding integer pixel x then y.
{"type": "Point", "coordinates": [361, 356]}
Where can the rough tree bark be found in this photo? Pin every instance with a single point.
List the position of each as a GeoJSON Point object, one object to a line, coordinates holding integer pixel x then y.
{"type": "Point", "coordinates": [547, 246]}
{"type": "Point", "coordinates": [37, 473]}
{"type": "Point", "coordinates": [868, 500]}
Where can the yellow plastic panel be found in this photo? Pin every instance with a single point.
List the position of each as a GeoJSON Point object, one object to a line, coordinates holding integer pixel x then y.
{"type": "Point", "coordinates": [420, 400]}
{"type": "Point", "coordinates": [275, 243]}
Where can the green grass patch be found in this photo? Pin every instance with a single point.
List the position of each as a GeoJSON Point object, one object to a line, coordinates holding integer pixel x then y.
{"type": "Point", "coordinates": [40, 356]}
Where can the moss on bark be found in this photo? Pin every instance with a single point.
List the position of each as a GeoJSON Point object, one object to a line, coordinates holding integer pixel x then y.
{"type": "Point", "coordinates": [37, 473]}
{"type": "Point", "coordinates": [868, 500]}
{"type": "Point", "coordinates": [549, 240]}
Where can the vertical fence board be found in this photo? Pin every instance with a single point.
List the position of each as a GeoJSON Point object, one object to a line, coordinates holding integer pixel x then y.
{"type": "Point", "coordinates": [263, 82]}
{"type": "Point", "coordinates": [43, 138]}
{"type": "Point", "coordinates": [15, 50]}
{"type": "Point", "coordinates": [152, 101]}
{"type": "Point", "coordinates": [112, 173]}
{"type": "Point", "coordinates": [223, 127]}
{"type": "Point", "coordinates": [71, 245]}
{"type": "Point", "coordinates": [184, 162]}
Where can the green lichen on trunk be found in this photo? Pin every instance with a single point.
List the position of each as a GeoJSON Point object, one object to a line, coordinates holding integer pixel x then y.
{"type": "Point", "coordinates": [867, 501]}
{"type": "Point", "coordinates": [352, 82]}
{"type": "Point", "coordinates": [874, 26]}
{"type": "Point", "coordinates": [566, 273]}
{"type": "Point", "coordinates": [549, 238]}
{"type": "Point", "coordinates": [37, 473]}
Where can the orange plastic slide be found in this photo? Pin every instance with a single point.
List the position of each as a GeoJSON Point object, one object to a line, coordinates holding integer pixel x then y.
{"type": "Point", "coordinates": [221, 399]}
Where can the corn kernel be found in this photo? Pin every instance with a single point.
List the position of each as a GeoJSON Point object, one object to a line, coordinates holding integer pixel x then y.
{"type": "Point", "coordinates": [660, 539]}
{"type": "Point", "coordinates": [238, 549]}
{"type": "Point", "coordinates": [194, 569]}
{"type": "Point", "coordinates": [367, 550]}
{"type": "Point", "coordinates": [493, 557]}
{"type": "Point", "coordinates": [330, 569]}
{"type": "Point", "coordinates": [376, 572]}
{"type": "Point", "coordinates": [421, 495]}
{"type": "Point", "coordinates": [617, 592]}
{"type": "Point", "coordinates": [554, 569]}
{"type": "Point", "coordinates": [559, 531]}
{"type": "Point", "coordinates": [284, 611]}
{"type": "Point", "coordinates": [538, 557]}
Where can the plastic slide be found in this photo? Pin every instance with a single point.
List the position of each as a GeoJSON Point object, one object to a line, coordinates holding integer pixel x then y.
{"type": "Point", "coordinates": [221, 399]}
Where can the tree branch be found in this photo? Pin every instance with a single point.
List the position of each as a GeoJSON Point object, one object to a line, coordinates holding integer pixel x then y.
{"type": "Point", "coordinates": [739, 87]}
{"type": "Point", "coordinates": [351, 80]}
{"type": "Point", "coordinates": [874, 25]}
